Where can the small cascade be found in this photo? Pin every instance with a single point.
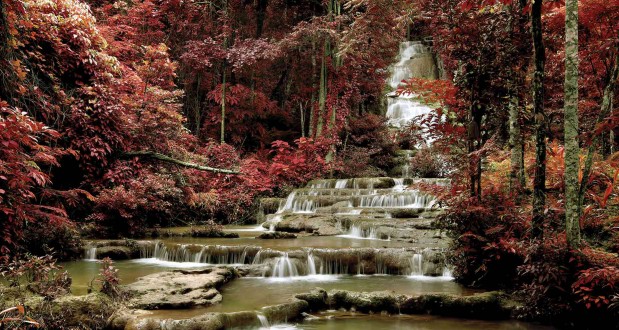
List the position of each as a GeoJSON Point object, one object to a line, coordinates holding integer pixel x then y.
{"type": "Point", "coordinates": [91, 253]}
{"type": "Point", "coordinates": [264, 322]}
{"type": "Point", "coordinates": [399, 185]}
{"type": "Point", "coordinates": [311, 264]}
{"type": "Point", "coordinates": [200, 254]}
{"type": "Point", "coordinates": [416, 265]}
{"type": "Point", "coordinates": [287, 205]}
{"type": "Point", "coordinates": [357, 232]}
{"type": "Point", "coordinates": [350, 212]}
{"type": "Point", "coordinates": [415, 61]}
{"type": "Point", "coordinates": [297, 204]}
{"type": "Point", "coordinates": [284, 267]}
{"type": "Point", "coordinates": [406, 168]}
{"type": "Point", "coordinates": [412, 199]}
{"type": "Point", "coordinates": [341, 184]}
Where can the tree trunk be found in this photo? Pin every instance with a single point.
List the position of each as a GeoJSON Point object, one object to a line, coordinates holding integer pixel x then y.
{"type": "Point", "coordinates": [539, 182]}
{"type": "Point", "coordinates": [516, 178]}
{"type": "Point", "coordinates": [312, 115]}
{"type": "Point", "coordinates": [223, 107]}
{"type": "Point", "coordinates": [261, 7]}
{"type": "Point", "coordinates": [322, 94]}
{"type": "Point", "coordinates": [572, 148]}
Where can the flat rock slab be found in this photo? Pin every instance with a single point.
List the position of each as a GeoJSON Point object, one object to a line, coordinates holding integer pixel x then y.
{"type": "Point", "coordinates": [179, 288]}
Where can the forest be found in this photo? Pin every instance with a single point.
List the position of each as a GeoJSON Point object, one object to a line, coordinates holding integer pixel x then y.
{"type": "Point", "coordinates": [309, 164]}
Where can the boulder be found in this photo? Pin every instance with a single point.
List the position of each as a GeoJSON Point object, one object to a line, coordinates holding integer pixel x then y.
{"type": "Point", "coordinates": [179, 288]}
{"type": "Point", "coordinates": [276, 235]}
{"type": "Point", "coordinates": [116, 252]}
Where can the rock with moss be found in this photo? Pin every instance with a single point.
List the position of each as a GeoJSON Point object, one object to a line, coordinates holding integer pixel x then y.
{"type": "Point", "coordinates": [316, 299]}
{"type": "Point", "coordinates": [179, 289]}
{"type": "Point", "coordinates": [276, 235]}
{"type": "Point", "coordinates": [67, 312]}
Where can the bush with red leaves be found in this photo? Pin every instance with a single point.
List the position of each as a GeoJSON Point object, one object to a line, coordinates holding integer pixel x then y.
{"type": "Point", "coordinates": [368, 149]}
{"type": "Point", "coordinates": [487, 233]}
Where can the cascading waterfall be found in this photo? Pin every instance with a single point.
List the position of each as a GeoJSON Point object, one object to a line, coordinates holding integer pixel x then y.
{"type": "Point", "coordinates": [284, 267]}
{"type": "Point", "coordinates": [411, 199]}
{"type": "Point", "coordinates": [91, 253]}
{"type": "Point", "coordinates": [264, 322]}
{"type": "Point", "coordinates": [311, 264]}
{"type": "Point", "coordinates": [416, 61]}
{"type": "Point", "coordinates": [416, 265]}
{"type": "Point", "coordinates": [406, 168]}
{"type": "Point", "coordinates": [302, 263]}
{"type": "Point", "coordinates": [201, 254]}
{"type": "Point", "coordinates": [358, 232]}
{"type": "Point", "coordinates": [341, 184]}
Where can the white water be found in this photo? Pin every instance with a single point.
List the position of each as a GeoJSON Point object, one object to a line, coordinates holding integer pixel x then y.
{"type": "Point", "coordinates": [91, 254]}
{"type": "Point", "coordinates": [401, 110]}
{"type": "Point", "coordinates": [264, 322]}
{"type": "Point", "coordinates": [196, 254]}
{"type": "Point", "coordinates": [417, 265]}
{"type": "Point", "coordinates": [284, 267]}
{"type": "Point", "coordinates": [341, 184]}
{"type": "Point", "coordinates": [405, 68]}
{"type": "Point", "coordinates": [412, 199]}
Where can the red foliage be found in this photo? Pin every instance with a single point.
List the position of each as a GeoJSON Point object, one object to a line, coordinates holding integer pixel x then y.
{"type": "Point", "coordinates": [487, 247]}
{"type": "Point", "coordinates": [596, 286]}
{"type": "Point", "coordinates": [294, 166]}
{"type": "Point", "coordinates": [23, 159]}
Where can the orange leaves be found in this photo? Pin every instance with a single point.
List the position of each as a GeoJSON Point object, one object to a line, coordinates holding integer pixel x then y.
{"type": "Point", "coordinates": [19, 319]}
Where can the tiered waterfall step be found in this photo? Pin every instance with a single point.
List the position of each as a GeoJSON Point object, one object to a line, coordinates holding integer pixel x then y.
{"type": "Point", "coordinates": [369, 208]}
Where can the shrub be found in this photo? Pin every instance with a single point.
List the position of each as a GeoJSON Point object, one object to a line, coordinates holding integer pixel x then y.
{"type": "Point", "coordinates": [127, 210]}
{"type": "Point", "coordinates": [486, 249]}
{"type": "Point", "coordinates": [596, 286]}
{"type": "Point", "coordinates": [38, 275]}
{"type": "Point", "coordinates": [368, 146]}
{"type": "Point", "coordinates": [109, 279]}
{"type": "Point", "coordinates": [63, 240]}
{"type": "Point", "coordinates": [428, 163]}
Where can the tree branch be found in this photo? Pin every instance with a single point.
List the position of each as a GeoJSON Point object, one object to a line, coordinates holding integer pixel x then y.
{"type": "Point", "coordinates": [164, 158]}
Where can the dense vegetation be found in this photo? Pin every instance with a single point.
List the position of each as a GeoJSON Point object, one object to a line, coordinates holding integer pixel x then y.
{"type": "Point", "coordinates": [119, 116]}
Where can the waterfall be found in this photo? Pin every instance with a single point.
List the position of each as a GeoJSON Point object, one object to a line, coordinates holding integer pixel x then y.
{"type": "Point", "coordinates": [200, 254]}
{"type": "Point", "coordinates": [91, 253]}
{"type": "Point", "coordinates": [357, 231]}
{"type": "Point", "coordinates": [297, 204]}
{"type": "Point", "coordinates": [416, 265]}
{"type": "Point", "coordinates": [415, 61]}
{"type": "Point", "coordinates": [288, 203]}
{"type": "Point", "coordinates": [264, 322]}
{"type": "Point", "coordinates": [403, 200]}
{"type": "Point", "coordinates": [406, 168]}
{"type": "Point", "coordinates": [284, 267]}
{"type": "Point", "coordinates": [311, 264]}
{"type": "Point", "coordinates": [341, 184]}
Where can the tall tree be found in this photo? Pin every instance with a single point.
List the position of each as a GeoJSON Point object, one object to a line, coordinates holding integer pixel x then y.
{"type": "Point", "coordinates": [539, 181]}
{"type": "Point", "coordinates": [572, 149]}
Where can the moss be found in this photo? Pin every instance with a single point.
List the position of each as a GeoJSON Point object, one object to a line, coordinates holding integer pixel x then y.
{"type": "Point", "coordinates": [316, 299]}
{"type": "Point", "coordinates": [285, 312]}
{"type": "Point", "coordinates": [115, 252]}
{"type": "Point", "coordinates": [76, 312]}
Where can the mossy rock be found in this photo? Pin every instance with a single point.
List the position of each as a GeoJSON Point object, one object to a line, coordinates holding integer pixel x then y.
{"type": "Point", "coordinates": [69, 312]}
{"type": "Point", "coordinates": [276, 235]}
{"type": "Point", "coordinates": [117, 252]}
